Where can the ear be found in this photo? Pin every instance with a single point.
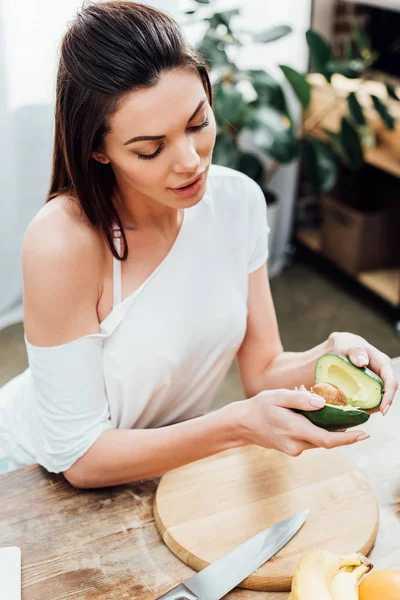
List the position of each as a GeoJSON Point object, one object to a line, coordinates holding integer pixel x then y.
{"type": "Point", "coordinates": [100, 158]}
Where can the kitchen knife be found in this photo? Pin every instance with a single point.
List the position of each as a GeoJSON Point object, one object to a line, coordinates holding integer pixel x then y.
{"type": "Point", "coordinates": [221, 576]}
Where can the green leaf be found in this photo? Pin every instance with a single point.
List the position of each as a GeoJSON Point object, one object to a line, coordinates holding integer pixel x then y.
{"type": "Point", "coordinates": [336, 144]}
{"type": "Point", "coordinates": [225, 151]}
{"type": "Point", "coordinates": [271, 135]}
{"type": "Point", "coordinates": [271, 34]}
{"type": "Point", "coordinates": [382, 110]}
{"type": "Point", "coordinates": [250, 165]}
{"type": "Point", "coordinates": [269, 91]}
{"type": "Point", "coordinates": [227, 15]}
{"type": "Point", "coordinates": [391, 90]}
{"type": "Point", "coordinates": [299, 83]}
{"type": "Point", "coordinates": [213, 54]}
{"type": "Point", "coordinates": [351, 145]}
{"type": "Point", "coordinates": [361, 40]}
{"type": "Point", "coordinates": [229, 102]}
{"type": "Point", "coordinates": [321, 164]}
{"type": "Point", "coordinates": [202, 1]}
{"type": "Point", "coordinates": [355, 109]}
{"type": "Point", "coordinates": [348, 50]}
{"type": "Point", "coordinates": [346, 144]}
{"type": "Point", "coordinates": [320, 51]}
{"type": "Point", "coordinates": [348, 68]}
{"type": "Point", "coordinates": [223, 18]}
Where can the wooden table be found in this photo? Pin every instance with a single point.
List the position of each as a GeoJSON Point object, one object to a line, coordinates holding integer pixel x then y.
{"type": "Point", "coordinates": [103, 545]}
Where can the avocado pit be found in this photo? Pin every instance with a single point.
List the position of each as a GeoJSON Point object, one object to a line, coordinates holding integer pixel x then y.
{"type": "Point", "coordinates": [331, 392]}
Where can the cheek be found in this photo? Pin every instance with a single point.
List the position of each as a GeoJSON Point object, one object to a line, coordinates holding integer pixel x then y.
{"type": "Point", "coordinates": [134, 171]}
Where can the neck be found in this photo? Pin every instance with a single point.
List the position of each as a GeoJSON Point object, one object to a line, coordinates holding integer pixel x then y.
{"type": "Point", "coordinates": [141, 215]}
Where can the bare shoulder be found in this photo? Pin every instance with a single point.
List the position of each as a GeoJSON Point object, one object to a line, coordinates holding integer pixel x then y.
{"type": "Point", "coordinates": [59, 232]}
{"type": "Point", "coordinates": [62, 261]}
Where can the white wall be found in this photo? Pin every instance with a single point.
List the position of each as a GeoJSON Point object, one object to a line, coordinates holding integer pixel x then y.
{"type": "Point", "coordinates": [30, 33]}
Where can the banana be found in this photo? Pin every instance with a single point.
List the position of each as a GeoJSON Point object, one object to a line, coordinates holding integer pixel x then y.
{"type": "Point", "coordinates": [345, 583]}
{"type": "Point", "coordinates": [314, 574]}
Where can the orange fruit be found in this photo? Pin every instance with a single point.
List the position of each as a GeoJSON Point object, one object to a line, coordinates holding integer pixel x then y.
{"type": "Point", "coordinates": [380, 585]}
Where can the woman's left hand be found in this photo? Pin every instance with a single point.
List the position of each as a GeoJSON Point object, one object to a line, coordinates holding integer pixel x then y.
{"type": "Point", "coordinates": [363, 354]}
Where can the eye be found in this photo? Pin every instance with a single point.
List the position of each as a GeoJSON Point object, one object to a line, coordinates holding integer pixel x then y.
{"type": "Point", "coordinates": [157, 152]}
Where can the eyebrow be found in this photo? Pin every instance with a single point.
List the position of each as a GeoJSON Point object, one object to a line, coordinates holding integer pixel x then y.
{"type": "Point", "coordinates": [140, 138]}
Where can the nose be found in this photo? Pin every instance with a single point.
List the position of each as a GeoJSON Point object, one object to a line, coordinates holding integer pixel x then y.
{"type": "Point", "coordinates": [186, 159]}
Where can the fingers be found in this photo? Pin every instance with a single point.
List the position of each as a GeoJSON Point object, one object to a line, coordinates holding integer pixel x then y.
{"type": "Point", "coordinates": [358, 356]}
{"type": "Point", "coordinates": [295, 448]}
{"type": "Point", "coordinates": [390, 385]}
{"type": "Point", "coordinates": [315, 437]}
{"type": "Point", "coordinates": [300, 400]}
{"type": "Point", "coordinates": [381, 364]}
{"type": "Point", "coordinates": [331, 439]}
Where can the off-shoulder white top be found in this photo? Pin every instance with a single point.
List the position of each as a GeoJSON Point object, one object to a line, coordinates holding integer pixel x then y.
{"type": "Point", "coordinates": [161, 353]}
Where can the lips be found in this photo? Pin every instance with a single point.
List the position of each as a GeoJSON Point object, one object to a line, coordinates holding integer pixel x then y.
{"type": "Point", "coordinates": [188, 182]}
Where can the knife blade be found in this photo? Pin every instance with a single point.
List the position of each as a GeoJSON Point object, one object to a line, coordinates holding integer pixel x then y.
{"type": "Point", "coordinates": [221, 576]}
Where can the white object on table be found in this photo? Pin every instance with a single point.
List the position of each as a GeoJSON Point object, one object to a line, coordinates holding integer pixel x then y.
{"type": "Point", "coordinates": [10, 573]}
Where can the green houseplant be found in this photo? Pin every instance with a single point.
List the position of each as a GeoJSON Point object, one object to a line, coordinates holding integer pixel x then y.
{"type": "Point", "coordinates": [267, 117]}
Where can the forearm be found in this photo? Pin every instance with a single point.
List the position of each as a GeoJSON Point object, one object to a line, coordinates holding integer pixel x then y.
{"type": "Point", "coordinates": [290, 369]}
{"type": "Point", "coordinates": [126, 455]}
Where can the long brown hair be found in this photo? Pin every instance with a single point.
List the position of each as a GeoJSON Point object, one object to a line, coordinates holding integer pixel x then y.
{"type": "Point", "coordinates": [110, 49]}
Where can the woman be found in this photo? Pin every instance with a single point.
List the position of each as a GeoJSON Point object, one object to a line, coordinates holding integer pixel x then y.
{"type": "Point", "coordinates": [140, 286]}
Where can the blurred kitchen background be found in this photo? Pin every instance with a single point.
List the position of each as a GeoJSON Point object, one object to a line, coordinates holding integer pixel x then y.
{"type": "Point", "coordinates": [307, 102]}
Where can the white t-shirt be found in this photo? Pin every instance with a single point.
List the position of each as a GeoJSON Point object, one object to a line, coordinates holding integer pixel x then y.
{"type": "Point", "coordinates": [161, 353]}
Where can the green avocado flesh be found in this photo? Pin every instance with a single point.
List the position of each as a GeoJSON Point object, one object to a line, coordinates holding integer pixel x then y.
{"type": "Point", "coordinates": [363, 388]}
{"type": "Point", "coordinates": [332, 417]}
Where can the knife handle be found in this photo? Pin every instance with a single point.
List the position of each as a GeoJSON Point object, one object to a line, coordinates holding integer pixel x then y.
{"type": "Point", "coordinates": [180, 592]}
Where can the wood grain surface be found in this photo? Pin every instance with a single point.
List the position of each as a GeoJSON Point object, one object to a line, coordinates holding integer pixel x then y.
{"type": "Point", "coordinates": [205, 509]}
{"type": "Point", "coordinates": [104, 545]}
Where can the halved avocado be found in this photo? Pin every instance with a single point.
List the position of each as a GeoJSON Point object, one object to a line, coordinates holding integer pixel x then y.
{"type": "Point", "coordinates": [362, 388]}
{"type": "Point", "coordinates": [333, 418]}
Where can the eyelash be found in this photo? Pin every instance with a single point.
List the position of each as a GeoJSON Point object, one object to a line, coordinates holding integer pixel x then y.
{"type": "Point", "coordinates": [157, 152]}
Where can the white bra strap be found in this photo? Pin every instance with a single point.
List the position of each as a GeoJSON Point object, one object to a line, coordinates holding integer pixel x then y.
{"type": "Point", "coordinates": [117, 279]}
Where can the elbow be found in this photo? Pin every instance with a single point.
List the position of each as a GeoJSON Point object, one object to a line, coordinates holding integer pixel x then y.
{"type": "Point", "coordinates": [78, 477]}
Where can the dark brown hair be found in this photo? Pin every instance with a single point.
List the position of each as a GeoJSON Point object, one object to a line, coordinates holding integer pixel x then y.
{"type": "Point", "coordinates": [110, 49]}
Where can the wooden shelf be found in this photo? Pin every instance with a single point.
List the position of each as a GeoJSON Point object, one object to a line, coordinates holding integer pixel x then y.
{"type": "Point", "coordinates": [310, 238]}
{"type": "Point", "coordinates": [383, 282]}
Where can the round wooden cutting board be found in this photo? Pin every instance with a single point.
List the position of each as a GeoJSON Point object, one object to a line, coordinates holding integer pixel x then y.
{"type": "Point", "coordinates": [206, 508]}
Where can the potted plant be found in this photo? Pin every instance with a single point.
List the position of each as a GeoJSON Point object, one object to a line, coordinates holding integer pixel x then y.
{"type": "Point", "coordinates": [266, 117]}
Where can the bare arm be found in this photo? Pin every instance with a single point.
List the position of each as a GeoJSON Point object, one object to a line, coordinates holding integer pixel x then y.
{"type": "Point", "coordinates": [126, 455]}
{"type": "Point", "coordinates": [262, 362]}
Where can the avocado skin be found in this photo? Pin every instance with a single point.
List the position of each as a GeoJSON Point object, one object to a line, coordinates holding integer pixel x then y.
{"type": "Point", "coordinates": [333, 418]}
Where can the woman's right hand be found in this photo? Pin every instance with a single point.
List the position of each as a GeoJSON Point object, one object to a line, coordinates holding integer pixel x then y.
{"type": "Point", "coordinates": [268, 420]}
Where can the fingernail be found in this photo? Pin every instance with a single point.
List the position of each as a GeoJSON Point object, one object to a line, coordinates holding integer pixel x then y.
{"type": "Point", "coordinates": [317, 401]}
{"type": "Point", "coordinates": [385, 409]}
{"type": "Point", "coordinates": [363, 436]}
{"type": "Point", "coordinates": [362, 359]}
